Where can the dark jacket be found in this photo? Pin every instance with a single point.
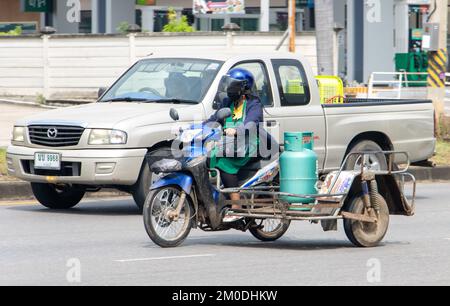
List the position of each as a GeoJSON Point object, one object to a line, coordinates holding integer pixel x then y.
{"type": "Point", "coordinates": [254, 116]}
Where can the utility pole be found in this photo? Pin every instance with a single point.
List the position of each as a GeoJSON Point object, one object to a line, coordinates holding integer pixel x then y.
{"type": "Point", "coordinates": [292, 27]}
{"type": "Point", "coordinates": [438, 60]}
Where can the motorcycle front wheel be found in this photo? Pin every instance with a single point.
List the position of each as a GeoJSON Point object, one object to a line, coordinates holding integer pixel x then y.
{"type": "Point", "coordinates": [161, 227]}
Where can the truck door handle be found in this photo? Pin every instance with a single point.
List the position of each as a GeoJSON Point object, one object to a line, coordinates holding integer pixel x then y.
{"type": "Point", "coordinates": [272, 123]}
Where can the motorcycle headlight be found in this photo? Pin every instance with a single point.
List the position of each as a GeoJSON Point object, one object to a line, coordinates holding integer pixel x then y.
{"type": "Point", "coordinates": [107, 137]}
{"type": "Point", "coordinates": [189, 135]}
{"type": "Point", "coordinates": [18, 134]}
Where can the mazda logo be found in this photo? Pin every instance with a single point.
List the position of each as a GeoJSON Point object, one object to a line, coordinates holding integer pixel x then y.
{"type": "Point", "coordinates": [52, 133]}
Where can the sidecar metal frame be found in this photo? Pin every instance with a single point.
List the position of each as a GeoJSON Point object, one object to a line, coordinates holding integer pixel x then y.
{"type": "Point", "coordinates": [339, 187]}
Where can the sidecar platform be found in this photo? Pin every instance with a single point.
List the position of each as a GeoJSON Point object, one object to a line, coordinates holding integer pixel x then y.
{"type": "Point", "coordinates": [266, 202]}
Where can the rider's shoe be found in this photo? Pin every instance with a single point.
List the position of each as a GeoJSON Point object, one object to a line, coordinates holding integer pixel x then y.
{"type": "Point", "coordinates": [229, 218]}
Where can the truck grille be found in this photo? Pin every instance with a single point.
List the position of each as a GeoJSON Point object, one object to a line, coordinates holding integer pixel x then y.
{"type": "Point", "coordinates": [55, 136]}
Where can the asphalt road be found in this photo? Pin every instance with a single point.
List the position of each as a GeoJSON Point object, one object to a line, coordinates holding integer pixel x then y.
{"type": "Point", "coordinates": [9, 114]}
{"type": "Point", "coordinates": [104, 243]}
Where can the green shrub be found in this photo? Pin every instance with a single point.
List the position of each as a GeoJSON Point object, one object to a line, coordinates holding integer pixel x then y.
{"type": "Point", "coordinates": [442, 157]}
{"type": "Point", "coordinates": [16, 32]}
{"type": "Point", "coordinates": [123, 27]}
{"type": "Point", "coordinates": [177, 25]}
{"type": "Point", "coordinates": [3, 162]}
{"type": "Point", "coordinates": [40, 99]}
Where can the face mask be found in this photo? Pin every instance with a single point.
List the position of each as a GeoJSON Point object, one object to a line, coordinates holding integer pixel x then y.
{"type": "Point", "coordinates": [234, 97]}
{"type": "Point", "coordinates": [234, 91]}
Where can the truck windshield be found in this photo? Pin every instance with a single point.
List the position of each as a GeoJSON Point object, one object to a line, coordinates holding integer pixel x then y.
{"type": "Point", "coordinates": [165, 80]}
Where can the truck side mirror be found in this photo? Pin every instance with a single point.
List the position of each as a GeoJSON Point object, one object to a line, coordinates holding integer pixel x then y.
{"type": "Point", "coordinates": [220, 97]}
{"type": "Point", "coordinates": [101, 91]}
{"type": "Point", "coordinates": [216, 105]}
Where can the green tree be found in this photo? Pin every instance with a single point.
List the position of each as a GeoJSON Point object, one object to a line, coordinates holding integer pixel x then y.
{"type": "Point", "coordinates": [123, 27]}
{"type": "Point", "coordinates": [177, 24]}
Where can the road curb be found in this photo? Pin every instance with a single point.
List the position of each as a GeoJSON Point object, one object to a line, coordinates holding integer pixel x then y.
{"type": "Point", "coordinates": [13, 190]}
{"type": "Point", "coordinates": [49, 104]}
{"type": "Point", "coordinates": [25, 103]}
{"type": "Point", "coordinates": [431, 174]}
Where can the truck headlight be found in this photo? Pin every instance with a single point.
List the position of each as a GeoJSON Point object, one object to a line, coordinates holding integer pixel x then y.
{"type": "Point", "coordinates": [107, 137]}
{"type": "Point", "coordinates": [18, 134]}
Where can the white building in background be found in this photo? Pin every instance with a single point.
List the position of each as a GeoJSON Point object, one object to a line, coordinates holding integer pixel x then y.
{"type": "Point", "coordinates": [375, 31]}
{"type": "Point", "coordinates": [369, 33]}
{"type": "Point", "coordinates": [104, 16]}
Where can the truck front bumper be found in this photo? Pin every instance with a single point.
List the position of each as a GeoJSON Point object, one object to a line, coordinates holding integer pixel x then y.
{"type": "Point", "coordinates": [84, 167]}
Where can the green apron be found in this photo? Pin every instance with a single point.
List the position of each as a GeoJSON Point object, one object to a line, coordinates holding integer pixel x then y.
{"type": "Point", "coordinates": [232, 165]}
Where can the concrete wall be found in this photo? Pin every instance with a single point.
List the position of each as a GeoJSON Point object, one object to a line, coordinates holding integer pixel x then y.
{"type": "Point", "coordinates": [77, 65]}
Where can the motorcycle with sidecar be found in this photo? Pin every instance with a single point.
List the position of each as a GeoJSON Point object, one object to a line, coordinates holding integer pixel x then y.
{"type": "Point", "coordinates": [188, 194]}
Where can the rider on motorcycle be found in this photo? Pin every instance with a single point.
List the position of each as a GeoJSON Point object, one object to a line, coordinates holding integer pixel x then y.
{"type": "Point", "coordinates": [247, 114]}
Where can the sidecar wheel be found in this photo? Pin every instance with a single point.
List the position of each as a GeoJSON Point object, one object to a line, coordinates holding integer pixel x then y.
{"type": "Point", "coordinates": [162, 231]}
{"type": "Point", "coordinates": [269, 230]}
{"type": "Point", "coordinates": [364, 234]}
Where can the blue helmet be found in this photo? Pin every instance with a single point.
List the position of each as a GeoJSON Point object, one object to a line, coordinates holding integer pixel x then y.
{"type": "Point", "coordinates": [243, 75]}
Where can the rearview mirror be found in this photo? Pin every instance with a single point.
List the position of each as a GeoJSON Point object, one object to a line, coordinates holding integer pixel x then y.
{"type": "Point", "coordinates": [223, 114]}
{"type": "Point", "coordinates": [174, 114]}
{"type": "Point", "coordinates": [101, 91]}
{"type": "Point", "coordinates": [216, 105]}
{"type": "Point", "coordinates": [218, 101]}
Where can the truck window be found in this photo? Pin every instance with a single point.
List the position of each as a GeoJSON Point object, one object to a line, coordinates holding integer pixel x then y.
{"type": "Point", "coordinates": [292, 82]}
{"type": "Point", "coordinates": [262, 85]}
{"type": "Point", "coordinates": [169, 78]}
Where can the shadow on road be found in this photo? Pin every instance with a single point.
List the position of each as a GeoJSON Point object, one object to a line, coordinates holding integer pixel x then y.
{"type": "Point", "coordinates": [291, 245]}
{"type": "Point", "coordinates": [286, 244]}
{"type": "Point", "coordinates": [110, 208]}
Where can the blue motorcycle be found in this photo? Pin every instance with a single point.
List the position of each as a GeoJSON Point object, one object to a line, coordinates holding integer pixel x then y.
{"type": "Point", "coordinates": [189, 194]}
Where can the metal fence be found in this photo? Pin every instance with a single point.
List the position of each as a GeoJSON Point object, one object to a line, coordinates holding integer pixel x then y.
{"type": "Point", "coordinates": [397, 85]}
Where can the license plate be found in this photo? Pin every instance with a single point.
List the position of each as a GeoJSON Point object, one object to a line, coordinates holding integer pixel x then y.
{"type": "Point", "coordinates": [47, 161]}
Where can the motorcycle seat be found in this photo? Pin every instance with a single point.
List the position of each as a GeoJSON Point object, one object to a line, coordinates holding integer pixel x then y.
{"type": "Point", "coordinates": [255, 165]}
{"type": "Point", "coordinates": [252, 167]}
{"type": "Point", "coordinates": [258, 163]}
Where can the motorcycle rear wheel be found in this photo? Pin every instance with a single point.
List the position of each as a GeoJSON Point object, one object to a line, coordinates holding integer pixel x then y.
{"type": "Point", "coordinates": [269, 230]}
{"type": "Point", "coordinates": [363, 234]}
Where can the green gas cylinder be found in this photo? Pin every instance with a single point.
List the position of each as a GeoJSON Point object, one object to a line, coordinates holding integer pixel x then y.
{"type": "Point", "coordinates": [298, 167]}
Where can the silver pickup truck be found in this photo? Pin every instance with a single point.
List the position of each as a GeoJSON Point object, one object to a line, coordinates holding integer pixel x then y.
{"type": "Point", "coordinates": [66, 152]}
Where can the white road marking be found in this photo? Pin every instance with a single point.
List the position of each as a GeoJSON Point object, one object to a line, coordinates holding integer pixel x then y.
{"type": "Point", "coordinates": [202, 238]}
{"type": "Point", "coordinates": [164, 258]}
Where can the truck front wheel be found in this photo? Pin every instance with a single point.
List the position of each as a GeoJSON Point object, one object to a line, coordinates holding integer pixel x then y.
{"type": "Point", "coordinates": [142, 187]}
{"type": "Point", "coordinates": [57, 197]}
